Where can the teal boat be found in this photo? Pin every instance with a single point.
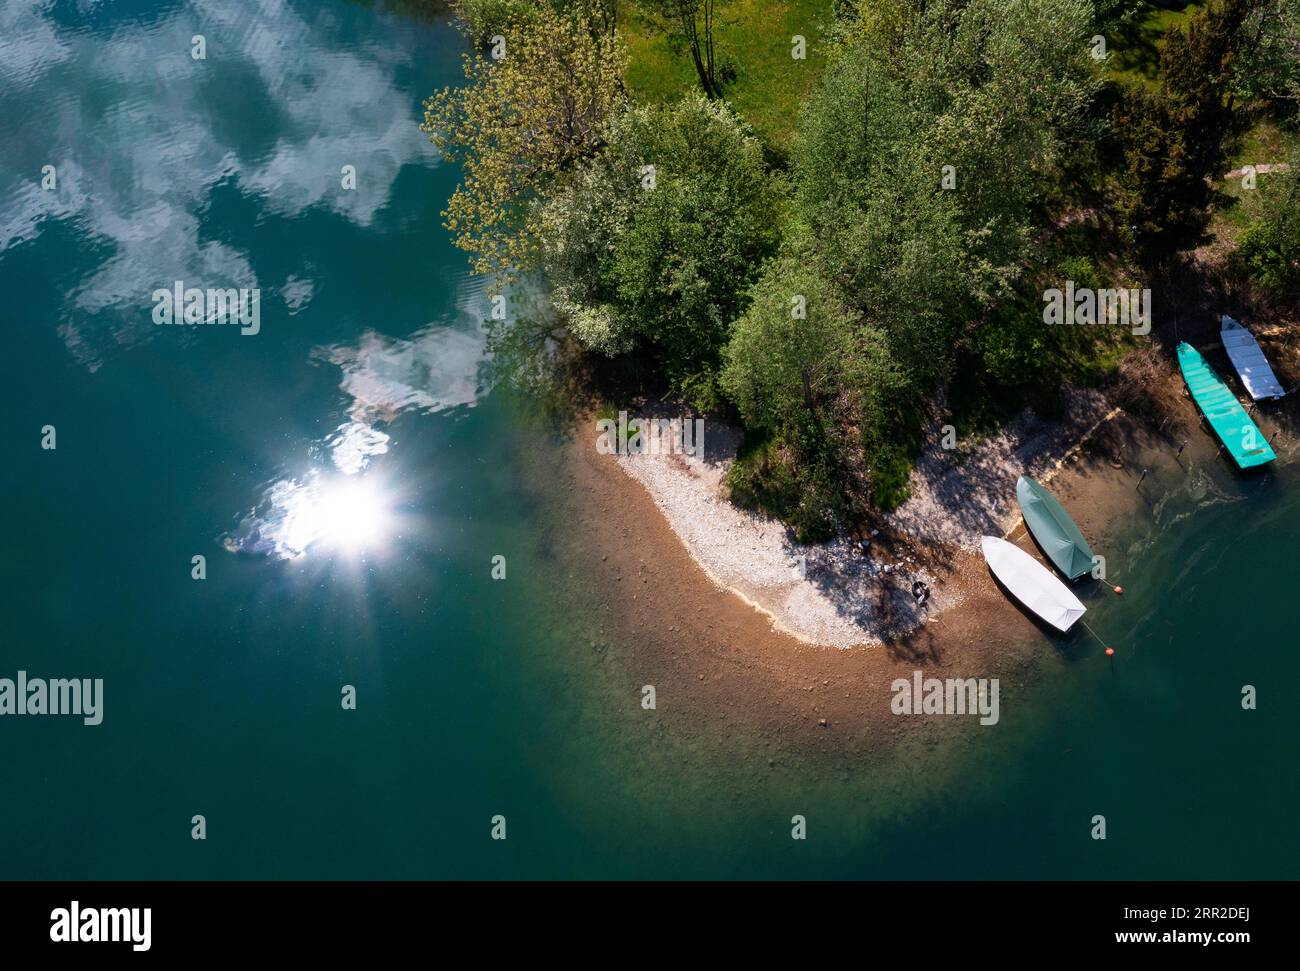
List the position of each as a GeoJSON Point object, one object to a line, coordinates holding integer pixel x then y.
{"type": "Point", "coordinates": [1053, 529]}
{"type": "Point", "coordinates": [1240, 436]}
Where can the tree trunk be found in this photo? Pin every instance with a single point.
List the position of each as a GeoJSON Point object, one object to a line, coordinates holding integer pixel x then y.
{"type": "Point", "coordinates": [701, 53]}
{"type": "Point", "coordinates": [809, 402]}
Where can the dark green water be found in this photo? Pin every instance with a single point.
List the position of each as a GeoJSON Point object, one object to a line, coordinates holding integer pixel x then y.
{"type": "Point", "coordinates": [475, 697]}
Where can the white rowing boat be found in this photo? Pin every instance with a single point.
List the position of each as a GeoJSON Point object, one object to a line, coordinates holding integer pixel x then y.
{"type": "Point", "coordinates": [1033, 584]}
{"type": "Point", "coordinates": [1249, 360]}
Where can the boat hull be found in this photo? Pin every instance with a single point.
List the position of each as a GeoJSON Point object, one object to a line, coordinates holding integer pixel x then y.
{"type": "Point", "coordinates": [1239, 435]}
{"type": "Point", "coordinates": [1053, 529]}
{"type": "Point", "coordinates": [1032, 584]}
{"type": "Point", "coordinates": [1251, 364]}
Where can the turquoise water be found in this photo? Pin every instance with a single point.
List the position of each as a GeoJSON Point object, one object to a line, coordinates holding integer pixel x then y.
{"type": "Point", "coordinates": [475, 697]}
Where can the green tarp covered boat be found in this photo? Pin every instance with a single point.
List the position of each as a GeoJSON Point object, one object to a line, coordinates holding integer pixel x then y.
{"type": "Point", "coordinates": [1053, 529]}
{"type": "Point", "coordinates": [1241, 436]}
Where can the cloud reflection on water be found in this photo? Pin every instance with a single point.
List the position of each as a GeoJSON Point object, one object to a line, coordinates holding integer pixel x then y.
{"type": "Point", "coordinates": [138, 159]}
{"type": "Point", "coordinates": [431, 371]}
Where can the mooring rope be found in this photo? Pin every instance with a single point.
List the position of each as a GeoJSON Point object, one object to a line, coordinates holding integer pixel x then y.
{"type": "Point", "coordinates": [1091, 631]}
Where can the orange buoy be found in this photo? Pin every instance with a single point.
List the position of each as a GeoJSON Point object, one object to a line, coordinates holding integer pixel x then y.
{"type": "Point", "coordinates": [1119, 589]}
{"type": "Point", "coordinates": [1110, 652]}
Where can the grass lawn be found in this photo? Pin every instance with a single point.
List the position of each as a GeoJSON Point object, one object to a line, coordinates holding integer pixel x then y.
{"type": "Point", "coordinates": [1238, 206]}
{"type": "Point", "coordinates": [752, 38]}
{"type": "Point", "coordinates": [1265, 142]}
{"type": "Point", "coordinates": [1135, 49]}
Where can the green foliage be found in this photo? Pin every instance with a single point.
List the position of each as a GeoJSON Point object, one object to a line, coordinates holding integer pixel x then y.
{"type": "Point", "coordinates": [700, 390]}
{"type": "Point", "coordinates": [660, 257]}
{"type": "Point", "coordinates": [483, 19]}
{"type": "Point", "coordinates": [806, 370]}
{"type": "Point", "coordinates": [1268, 65]}
{"type": "Point", "coordinates": [798, 350]}
{"type": "Point", "coordinates": [1079, 268]}
{"type": "Point", "coordinates": [1135, 33]}
{"type": "Point", "coordinates": [1011, 344]}
{"type": "Point", "coordinates": [1269, 251]}
{"type": "Point", "coordinates": [1174, 137]}
{"type": "Point", "coordinates": [993, 89]}
{"type": "Point", "coordinates": [1110, 14]}
{"type": "Point", "coordinates": [810, 497]}
{"type": "Point", "coordinates": [890, 469]}
{"type": "Point", "coordinates": [920, 162]}
{"type": "Point", "coordinates": [519, 125]}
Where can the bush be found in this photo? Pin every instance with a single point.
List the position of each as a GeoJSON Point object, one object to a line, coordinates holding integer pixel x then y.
{"type": "Point", "coordinates": [798, 353]}
{"type": "Point", "coordinates": [1270, 252]}
{"type": "Point", "coordinates": [808, 372]}
{"type": "Point", "coordinates": [809, 499]}
{"type": "Point", "coordinates": [891, 468]}
{"type": "Point", "coordinates": [1011, 346]}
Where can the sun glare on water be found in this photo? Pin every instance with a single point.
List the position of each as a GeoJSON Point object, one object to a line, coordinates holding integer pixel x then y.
{"type": "Point", "coordinates": [354, 515]}
{"type": "Point", "coordinates": [348, 515]}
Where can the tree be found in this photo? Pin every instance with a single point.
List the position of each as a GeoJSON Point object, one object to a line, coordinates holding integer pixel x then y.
{"type": "Point", "coordinates": [654, 242]}
{"type": "Point", "coordinates": [1174, 138]}
{"type": "Point", "coordinates": [924, 150]}
{"type": "Point", "coordinates": [482, 19]}
{"type": "Point", "coordinates": [815, 382]}
{"type": "Point", "coordinates": [1268, 65]}
{"type": "Point", "coordinates": [521, 123]}
{"type": "Point", "coordinates": [921, 161]}
{"type": "Point", "coordinates": [695, 19]}
{"type": "Point", "coordinates": [799, 349]}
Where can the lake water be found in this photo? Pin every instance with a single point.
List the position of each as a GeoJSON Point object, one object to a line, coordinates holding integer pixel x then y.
{"type": "Point", "coordinates": [360, 401]}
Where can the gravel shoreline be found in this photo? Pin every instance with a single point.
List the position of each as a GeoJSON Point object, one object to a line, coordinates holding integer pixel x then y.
{"type": "Point", "coordinates": [846, 592]}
